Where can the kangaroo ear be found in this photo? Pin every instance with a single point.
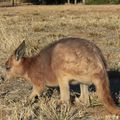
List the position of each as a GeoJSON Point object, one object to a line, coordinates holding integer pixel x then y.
{"type": "Point", "coordinates": [20, 51]}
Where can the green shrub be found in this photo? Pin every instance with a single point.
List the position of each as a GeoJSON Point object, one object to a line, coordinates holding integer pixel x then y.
{"type": "Point", "coordinates": [102, 1]}
{"type": "Point", "coordinates": [114, 1]}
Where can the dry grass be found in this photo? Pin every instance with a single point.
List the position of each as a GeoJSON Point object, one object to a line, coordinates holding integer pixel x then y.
{"type": "Point", "coordinates": [41, 25]}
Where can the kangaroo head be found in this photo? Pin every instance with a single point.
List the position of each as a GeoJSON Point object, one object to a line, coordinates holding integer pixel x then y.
{"type": "Point", "coordinates": [13, 66]}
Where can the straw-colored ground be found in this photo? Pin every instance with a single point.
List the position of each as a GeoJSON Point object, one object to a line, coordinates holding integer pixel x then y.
{"type": "Point", "coordinates": [41, 25]}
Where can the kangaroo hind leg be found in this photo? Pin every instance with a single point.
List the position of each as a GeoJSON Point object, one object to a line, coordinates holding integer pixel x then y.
{"type": "Point", "coordinates": [64, 91]}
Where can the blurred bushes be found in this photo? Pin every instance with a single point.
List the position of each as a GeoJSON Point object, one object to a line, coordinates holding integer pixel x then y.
{"type": "Point", "coordinates": [102, 2]}
{"type": "Point", "coordinates": [89, 2]}
{"type": "Point", "coordinates": [44, 1]}
{"type": "Point", "coordinates": [72, 1]}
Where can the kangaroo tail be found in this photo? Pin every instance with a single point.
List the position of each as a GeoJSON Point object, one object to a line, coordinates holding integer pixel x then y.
{"type": "Point", "coordinates": [103, 91]}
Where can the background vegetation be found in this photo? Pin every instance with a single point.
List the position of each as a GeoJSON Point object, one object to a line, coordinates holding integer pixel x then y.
{"type": "Point", "coordinates": [102, 2]}
{"type": "Point", "coordinates": [63, 1]}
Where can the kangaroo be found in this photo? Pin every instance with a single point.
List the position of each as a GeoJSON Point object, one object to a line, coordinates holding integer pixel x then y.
{"type": "Point", "coordinates": [59, 64]}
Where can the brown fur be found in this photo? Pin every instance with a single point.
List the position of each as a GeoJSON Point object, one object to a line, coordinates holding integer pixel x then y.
{"type": "Point", "coordinates": [61, 62]}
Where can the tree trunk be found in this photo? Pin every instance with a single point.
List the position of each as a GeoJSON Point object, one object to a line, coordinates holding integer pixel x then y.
{"type": "Point", "coordinates": [13, 3]}
{"type": "Point", "coordinates": [84, 2]}
{"type": "Point", "coordinates": [75, 1]}
{"type": "Point", "coordinates": [68, 1]}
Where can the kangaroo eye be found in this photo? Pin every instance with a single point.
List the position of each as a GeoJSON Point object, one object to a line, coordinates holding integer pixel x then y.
{"type": "Point", "coordinates": [8, 67]}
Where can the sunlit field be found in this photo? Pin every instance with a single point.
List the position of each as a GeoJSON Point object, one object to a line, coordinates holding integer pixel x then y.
{"type": "Point", "coordinates": [40, 26]}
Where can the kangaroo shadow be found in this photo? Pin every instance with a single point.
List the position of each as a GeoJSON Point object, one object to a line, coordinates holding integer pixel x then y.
{"type": "Point", "coordinates": [114, 79]}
